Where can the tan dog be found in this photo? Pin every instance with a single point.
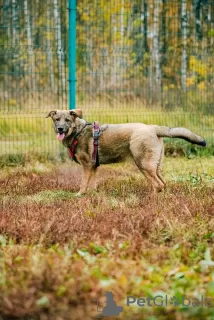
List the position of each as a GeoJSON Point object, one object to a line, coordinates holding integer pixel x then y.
{"type": "Point", "coordinates": [139, 141]}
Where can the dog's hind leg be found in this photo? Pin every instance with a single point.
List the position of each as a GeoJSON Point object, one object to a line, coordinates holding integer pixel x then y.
{"type": "Point", "coordinates": [149, 169]}
{"type": "Point", "coordinates": [159, 166]}
{"type": "Point", "coordinates": [152, 177]}
{"type": "Point", "coordinates": [147, 155]}
{"type": "Point", "coordinates": [159, 174]}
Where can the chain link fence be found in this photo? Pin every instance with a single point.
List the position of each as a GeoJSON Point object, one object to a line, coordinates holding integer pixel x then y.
{"type": "Point", "coordinates": [145, 61]}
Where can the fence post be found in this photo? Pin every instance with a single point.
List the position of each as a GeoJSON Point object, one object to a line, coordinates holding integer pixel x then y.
{"type": "Point", "coordinates": [72, 53]}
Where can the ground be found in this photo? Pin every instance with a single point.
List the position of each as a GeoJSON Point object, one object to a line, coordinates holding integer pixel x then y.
{"type": "Point", "coordinates": [60, 253]}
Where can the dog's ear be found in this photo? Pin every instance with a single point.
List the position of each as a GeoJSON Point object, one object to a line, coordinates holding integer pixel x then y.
{"type": "Point", "coordinates": [76, 113]}
{"type": "Point", "coordinates": [51, 113]}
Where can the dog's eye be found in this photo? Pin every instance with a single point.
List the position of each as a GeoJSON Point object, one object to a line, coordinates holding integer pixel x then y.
{"type": "Point", "coordinates": [57, 119]}
{"type": "Point", "coordinates": [67, 120]}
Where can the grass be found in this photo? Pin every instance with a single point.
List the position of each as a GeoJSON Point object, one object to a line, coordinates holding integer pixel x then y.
{"type": "Point", "coordinates": [59, 253]}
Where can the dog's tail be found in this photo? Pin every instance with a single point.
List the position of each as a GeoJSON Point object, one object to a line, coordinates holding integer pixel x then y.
{"type": "Point", "coordinates": [181, 133]}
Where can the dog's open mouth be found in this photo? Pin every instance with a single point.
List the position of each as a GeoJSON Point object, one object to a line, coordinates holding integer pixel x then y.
{"type": "Point", "coordinates": [60, 136]}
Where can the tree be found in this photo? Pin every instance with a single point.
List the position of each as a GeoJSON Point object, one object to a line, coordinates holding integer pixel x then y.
{"type": "Point", "coordinates": [30, 46]}
{"type": "Point", "coordinates": [184, 44]}
{"type": "Point", "coordinates": [156, 48]}
{"type": "Point", "coordinates": [58, 37]}
{"type": "Point", "coordinates": [49, 47]}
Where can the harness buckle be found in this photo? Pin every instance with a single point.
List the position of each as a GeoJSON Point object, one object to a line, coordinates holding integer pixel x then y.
{"type": "Point", "coordinates": [96, 130]}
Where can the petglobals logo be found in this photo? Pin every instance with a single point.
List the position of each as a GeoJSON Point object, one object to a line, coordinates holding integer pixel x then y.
{"type": "Point", "coordinates": [111, 309]}
{"type": "Point", "coordinates": [164, 301]}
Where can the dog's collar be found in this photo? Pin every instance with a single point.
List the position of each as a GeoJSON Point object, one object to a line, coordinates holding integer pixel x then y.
{"type": "Point", "coordinates": [96, 131]}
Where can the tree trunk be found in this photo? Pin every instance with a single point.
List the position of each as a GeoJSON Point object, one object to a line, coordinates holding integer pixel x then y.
{"type": "Point", "coordinates": [30, 46]}
{"type": "Point", "coordinates": [156, 49]}
{"type": "Point", "coordinates": [122, 23]}
{"type": "Point", "coordinates": [198, 19]}
{"type": "Point", "coordinates": [6, 9]}
{"type": "Point", "coordinates": [58, 37]}
{"type": "Point", "coordinates": [14, 24]}
{"type": "Point", "coordinates": [184, 44]}
{"type": "Point", "coordinates": [151, 60]}
{"type": "Point", "coordinates": [49, 48]}
{"type": "Point", "coordinates": [144, 30]}
{"type": "Point", "coordinates": [145, 26]}
{"type": "Point", "coordinates": [164, 30]}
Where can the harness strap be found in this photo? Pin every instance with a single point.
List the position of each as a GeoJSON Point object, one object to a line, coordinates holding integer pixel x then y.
{"type": "Point", "coordinates": [71, 150]}
{"type": "Point", "coordinates": [95, 155]}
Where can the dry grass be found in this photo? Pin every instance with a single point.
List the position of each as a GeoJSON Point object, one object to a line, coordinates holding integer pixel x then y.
{"type": "Point", "coordinates": [59, 252]}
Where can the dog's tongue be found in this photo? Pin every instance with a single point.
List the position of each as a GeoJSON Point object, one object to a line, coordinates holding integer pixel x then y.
{"type": "Point", "coordinates": [60, 136]}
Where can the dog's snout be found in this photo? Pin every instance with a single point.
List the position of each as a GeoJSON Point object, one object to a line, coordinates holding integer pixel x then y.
{"type": "Point", "coordinates": [60, 129]}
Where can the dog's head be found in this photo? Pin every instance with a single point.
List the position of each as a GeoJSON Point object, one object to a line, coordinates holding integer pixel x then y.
{"type": "Point", "coordinates": [64, 121]}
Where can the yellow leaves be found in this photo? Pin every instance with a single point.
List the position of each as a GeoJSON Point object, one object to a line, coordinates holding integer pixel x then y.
{"type": "Point", "coordinates": [90, 214]}
{"type": "Point", "coordinates": [61, 291]}
{"type": "Point", "coordinates": [85, 17]}
{"type": "Point", "coordinates": [123, 281]}
{"type": "Point", "coordinates": [12, 102]}
{"type": "Point", "coordinates": [117, 36]}
{"type": "Point", "coordinates": [103, 3]}
{"type": "Point", "coordinates": [156, 277]}
{"type": "Point", "coordinates": [127, 5]}
{"type": "Point", "coordinates": [201, 86]}
{"type": "Point", "coordinates": [49, 36]}
{"type": "Point", "coordinates": [198, 66]}
{"type": "Point", "coordinates": [167, 69]}
{"type": "Point", "coordinates": [171, 86]}
{"type": "Point", "coordinates": [107, 16]}
{"type": "Point", "coordinates": [190, 81]}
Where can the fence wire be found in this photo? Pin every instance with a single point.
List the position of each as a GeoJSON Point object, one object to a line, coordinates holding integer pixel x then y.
{"type": "Point", "coordinates": [145, 61]}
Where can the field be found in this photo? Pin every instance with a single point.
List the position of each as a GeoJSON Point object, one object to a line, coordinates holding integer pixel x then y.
{"type": "Point", "coordinates": [59, 253]}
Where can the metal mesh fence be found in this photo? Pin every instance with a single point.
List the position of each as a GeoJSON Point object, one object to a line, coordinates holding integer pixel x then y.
{"type": "Point", "coordinates": [145, 61]}
{"type": "Point", "coordinates": [33, 72]}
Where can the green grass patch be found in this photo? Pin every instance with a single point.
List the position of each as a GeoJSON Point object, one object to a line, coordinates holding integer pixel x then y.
{"type": "Point", "coordinates": [49, 196]}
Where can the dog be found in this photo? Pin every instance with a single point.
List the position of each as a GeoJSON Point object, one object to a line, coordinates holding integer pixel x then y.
{"type": "Point", "coordinates": [143, 143]}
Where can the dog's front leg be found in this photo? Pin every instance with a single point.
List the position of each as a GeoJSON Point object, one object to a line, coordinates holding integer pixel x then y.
{"type": "Point", "coordinates": [93, 180]}
{"type": "Point", "coordinates": [87, 174]}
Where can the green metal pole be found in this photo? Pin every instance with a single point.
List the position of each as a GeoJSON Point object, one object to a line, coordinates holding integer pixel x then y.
{"type": "Point", "coordinates": [72, 53]}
